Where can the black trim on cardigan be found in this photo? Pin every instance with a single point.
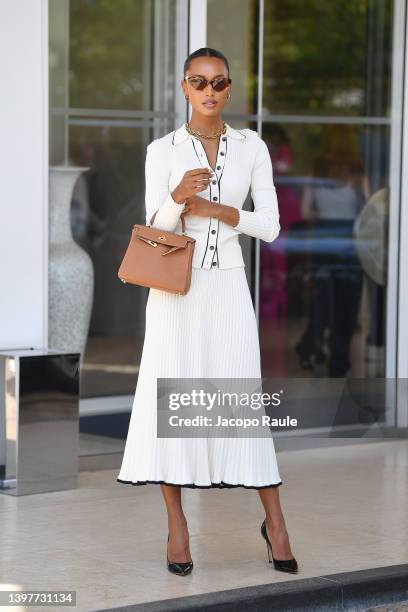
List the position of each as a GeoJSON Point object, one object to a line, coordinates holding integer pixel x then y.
{"type": "Point", "coordinates": [208, 232]}
{"type": "Point", "coordinates": [209, 225]}
{"type": "Point", "coordinates": [213, 485]}
{"type": "Point", "coordinates": [219, 198]}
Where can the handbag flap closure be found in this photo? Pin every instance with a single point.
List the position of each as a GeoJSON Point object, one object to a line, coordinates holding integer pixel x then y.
{"type": "Point", "coordinates": [161, 236]}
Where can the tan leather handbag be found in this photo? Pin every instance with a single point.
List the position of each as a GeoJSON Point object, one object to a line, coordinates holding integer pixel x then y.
{"type": "Point", "coordinates": [158, 259]}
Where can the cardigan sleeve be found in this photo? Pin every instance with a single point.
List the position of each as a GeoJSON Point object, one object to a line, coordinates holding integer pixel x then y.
{"type": "Point", "coordinates": [263, 221]}
{"type": "Point", "coordinates": [157, 194]}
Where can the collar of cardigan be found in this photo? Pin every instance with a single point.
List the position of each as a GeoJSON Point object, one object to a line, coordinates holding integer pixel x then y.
{"type": "Point", "coordinates": [181, 134]}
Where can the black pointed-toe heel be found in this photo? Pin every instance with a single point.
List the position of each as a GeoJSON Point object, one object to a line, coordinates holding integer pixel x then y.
{"type": "Point", "coordinates": [283, 565]}
{"type": "Point", "coordinates": [178, 567]}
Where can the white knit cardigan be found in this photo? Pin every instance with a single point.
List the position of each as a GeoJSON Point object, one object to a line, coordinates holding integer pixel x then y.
{"type": "Point", "coordinates": [243, 163]}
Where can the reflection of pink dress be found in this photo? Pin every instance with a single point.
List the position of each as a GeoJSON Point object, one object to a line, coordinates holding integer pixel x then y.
{"type": "Point", "coordinates": [273, 297]}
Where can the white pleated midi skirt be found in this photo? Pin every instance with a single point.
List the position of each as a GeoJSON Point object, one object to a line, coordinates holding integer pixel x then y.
{"type": "Point", "coordinates": [211, 332]}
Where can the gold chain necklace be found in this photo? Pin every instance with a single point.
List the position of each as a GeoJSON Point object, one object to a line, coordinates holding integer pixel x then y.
{"type": "Point", "coordinates": [194, 132]}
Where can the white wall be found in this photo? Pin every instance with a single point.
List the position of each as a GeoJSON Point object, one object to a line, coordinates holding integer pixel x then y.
{"type": "Point", "coordinates": [23, 173]}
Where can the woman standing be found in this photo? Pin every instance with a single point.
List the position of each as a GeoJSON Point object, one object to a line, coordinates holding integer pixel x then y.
{"type": "Point", "coordinates": [212, 330]}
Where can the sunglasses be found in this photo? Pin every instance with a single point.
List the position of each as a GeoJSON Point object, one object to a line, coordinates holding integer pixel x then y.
{"type": "Point", "coordinates": [200, 83]}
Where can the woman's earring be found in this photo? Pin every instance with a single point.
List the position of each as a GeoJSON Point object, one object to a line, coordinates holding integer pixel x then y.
{"type": "Point", "coordinates": [229, 95]}
{"type": "Point", "coordinates": [187, 98]}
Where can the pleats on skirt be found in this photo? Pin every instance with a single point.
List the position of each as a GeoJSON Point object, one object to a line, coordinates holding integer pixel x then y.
{"type": "Point", "coordinates": [211, 332]}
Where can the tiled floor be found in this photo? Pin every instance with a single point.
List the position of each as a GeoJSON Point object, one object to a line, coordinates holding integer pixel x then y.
{"type": "Point", "coordinates": [345, 509]}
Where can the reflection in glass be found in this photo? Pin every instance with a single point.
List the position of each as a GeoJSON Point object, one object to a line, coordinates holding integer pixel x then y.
{"type": "Point", "coordinates": [235, 33]}
{"type": "Point", "coordinates": [327, 58]}
{"type": "Point", "coordinates": [104, 207]}
{"type": "Point", "coordinates": [112, 91]}
{"type": "Point", "coordinates": [320, 309]}
{"type": "Point", "coordinates": [327, 72]}
{"type": "Point", "coordinates": [331, 201]}
{"type": "Point", "coordinates": [110, 45]}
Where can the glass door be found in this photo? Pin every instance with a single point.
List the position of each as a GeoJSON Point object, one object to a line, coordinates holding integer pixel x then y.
{"type": "Point", "coordinates": [327, 103]}
{"type": "Point", "coordinates": [114, 69]}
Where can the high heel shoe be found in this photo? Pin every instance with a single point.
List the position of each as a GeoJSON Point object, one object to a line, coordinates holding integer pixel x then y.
{"type": "Point", "coordinates": [178, 567]}
{"type": "Point", "coordinates": [283, 565]}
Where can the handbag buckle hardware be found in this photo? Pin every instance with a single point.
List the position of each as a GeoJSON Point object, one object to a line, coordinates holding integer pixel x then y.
{"type": "Point", "coordinates": [152, 243]}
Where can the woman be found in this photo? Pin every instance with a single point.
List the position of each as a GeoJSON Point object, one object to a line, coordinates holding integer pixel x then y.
{"type": "Point", "coordinates": [211, 331]}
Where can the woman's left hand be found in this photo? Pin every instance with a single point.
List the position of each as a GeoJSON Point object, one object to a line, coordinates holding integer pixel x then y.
{"type": "Point", "coordinates": [196, 205]}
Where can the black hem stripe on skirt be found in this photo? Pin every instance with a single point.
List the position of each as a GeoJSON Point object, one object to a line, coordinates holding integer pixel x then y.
{"type": "Point", "coordinates": [213, 485]}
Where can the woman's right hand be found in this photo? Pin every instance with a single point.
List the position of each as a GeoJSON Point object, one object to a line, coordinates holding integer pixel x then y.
{"type": "Point", "coordinates": [193, 182]}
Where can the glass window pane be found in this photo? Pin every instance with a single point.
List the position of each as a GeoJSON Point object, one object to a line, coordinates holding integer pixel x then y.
{"type": "Point", "coordinates": [241, 49]}
{"type": "Point", "coordinates": [327, 57]}
{"type": "Point", "coordinates": [112, 91]}
{"type": "Point", "coordinates": [322, 282]}
{"type": "Point", "coordinates": [107, 201]}
{"type": "Point", "coordinates": [110, 63]}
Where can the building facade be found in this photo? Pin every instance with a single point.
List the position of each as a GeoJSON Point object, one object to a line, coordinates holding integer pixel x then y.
{"type": "Point", "coordinates": [89, 84]}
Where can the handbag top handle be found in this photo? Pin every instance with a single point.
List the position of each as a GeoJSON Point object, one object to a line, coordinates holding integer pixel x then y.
{"type": "Point", "coordinates": [183, 223]}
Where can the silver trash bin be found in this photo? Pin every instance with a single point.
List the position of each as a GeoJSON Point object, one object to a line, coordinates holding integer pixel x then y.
{"type": "Point", "coordinates": [39, 421]}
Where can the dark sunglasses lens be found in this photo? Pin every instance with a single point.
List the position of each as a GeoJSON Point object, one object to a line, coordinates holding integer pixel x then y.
{"type": "Point", "coordinates": [198, 83]}
{"type": "Point", "coordinates": [220, 84]}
